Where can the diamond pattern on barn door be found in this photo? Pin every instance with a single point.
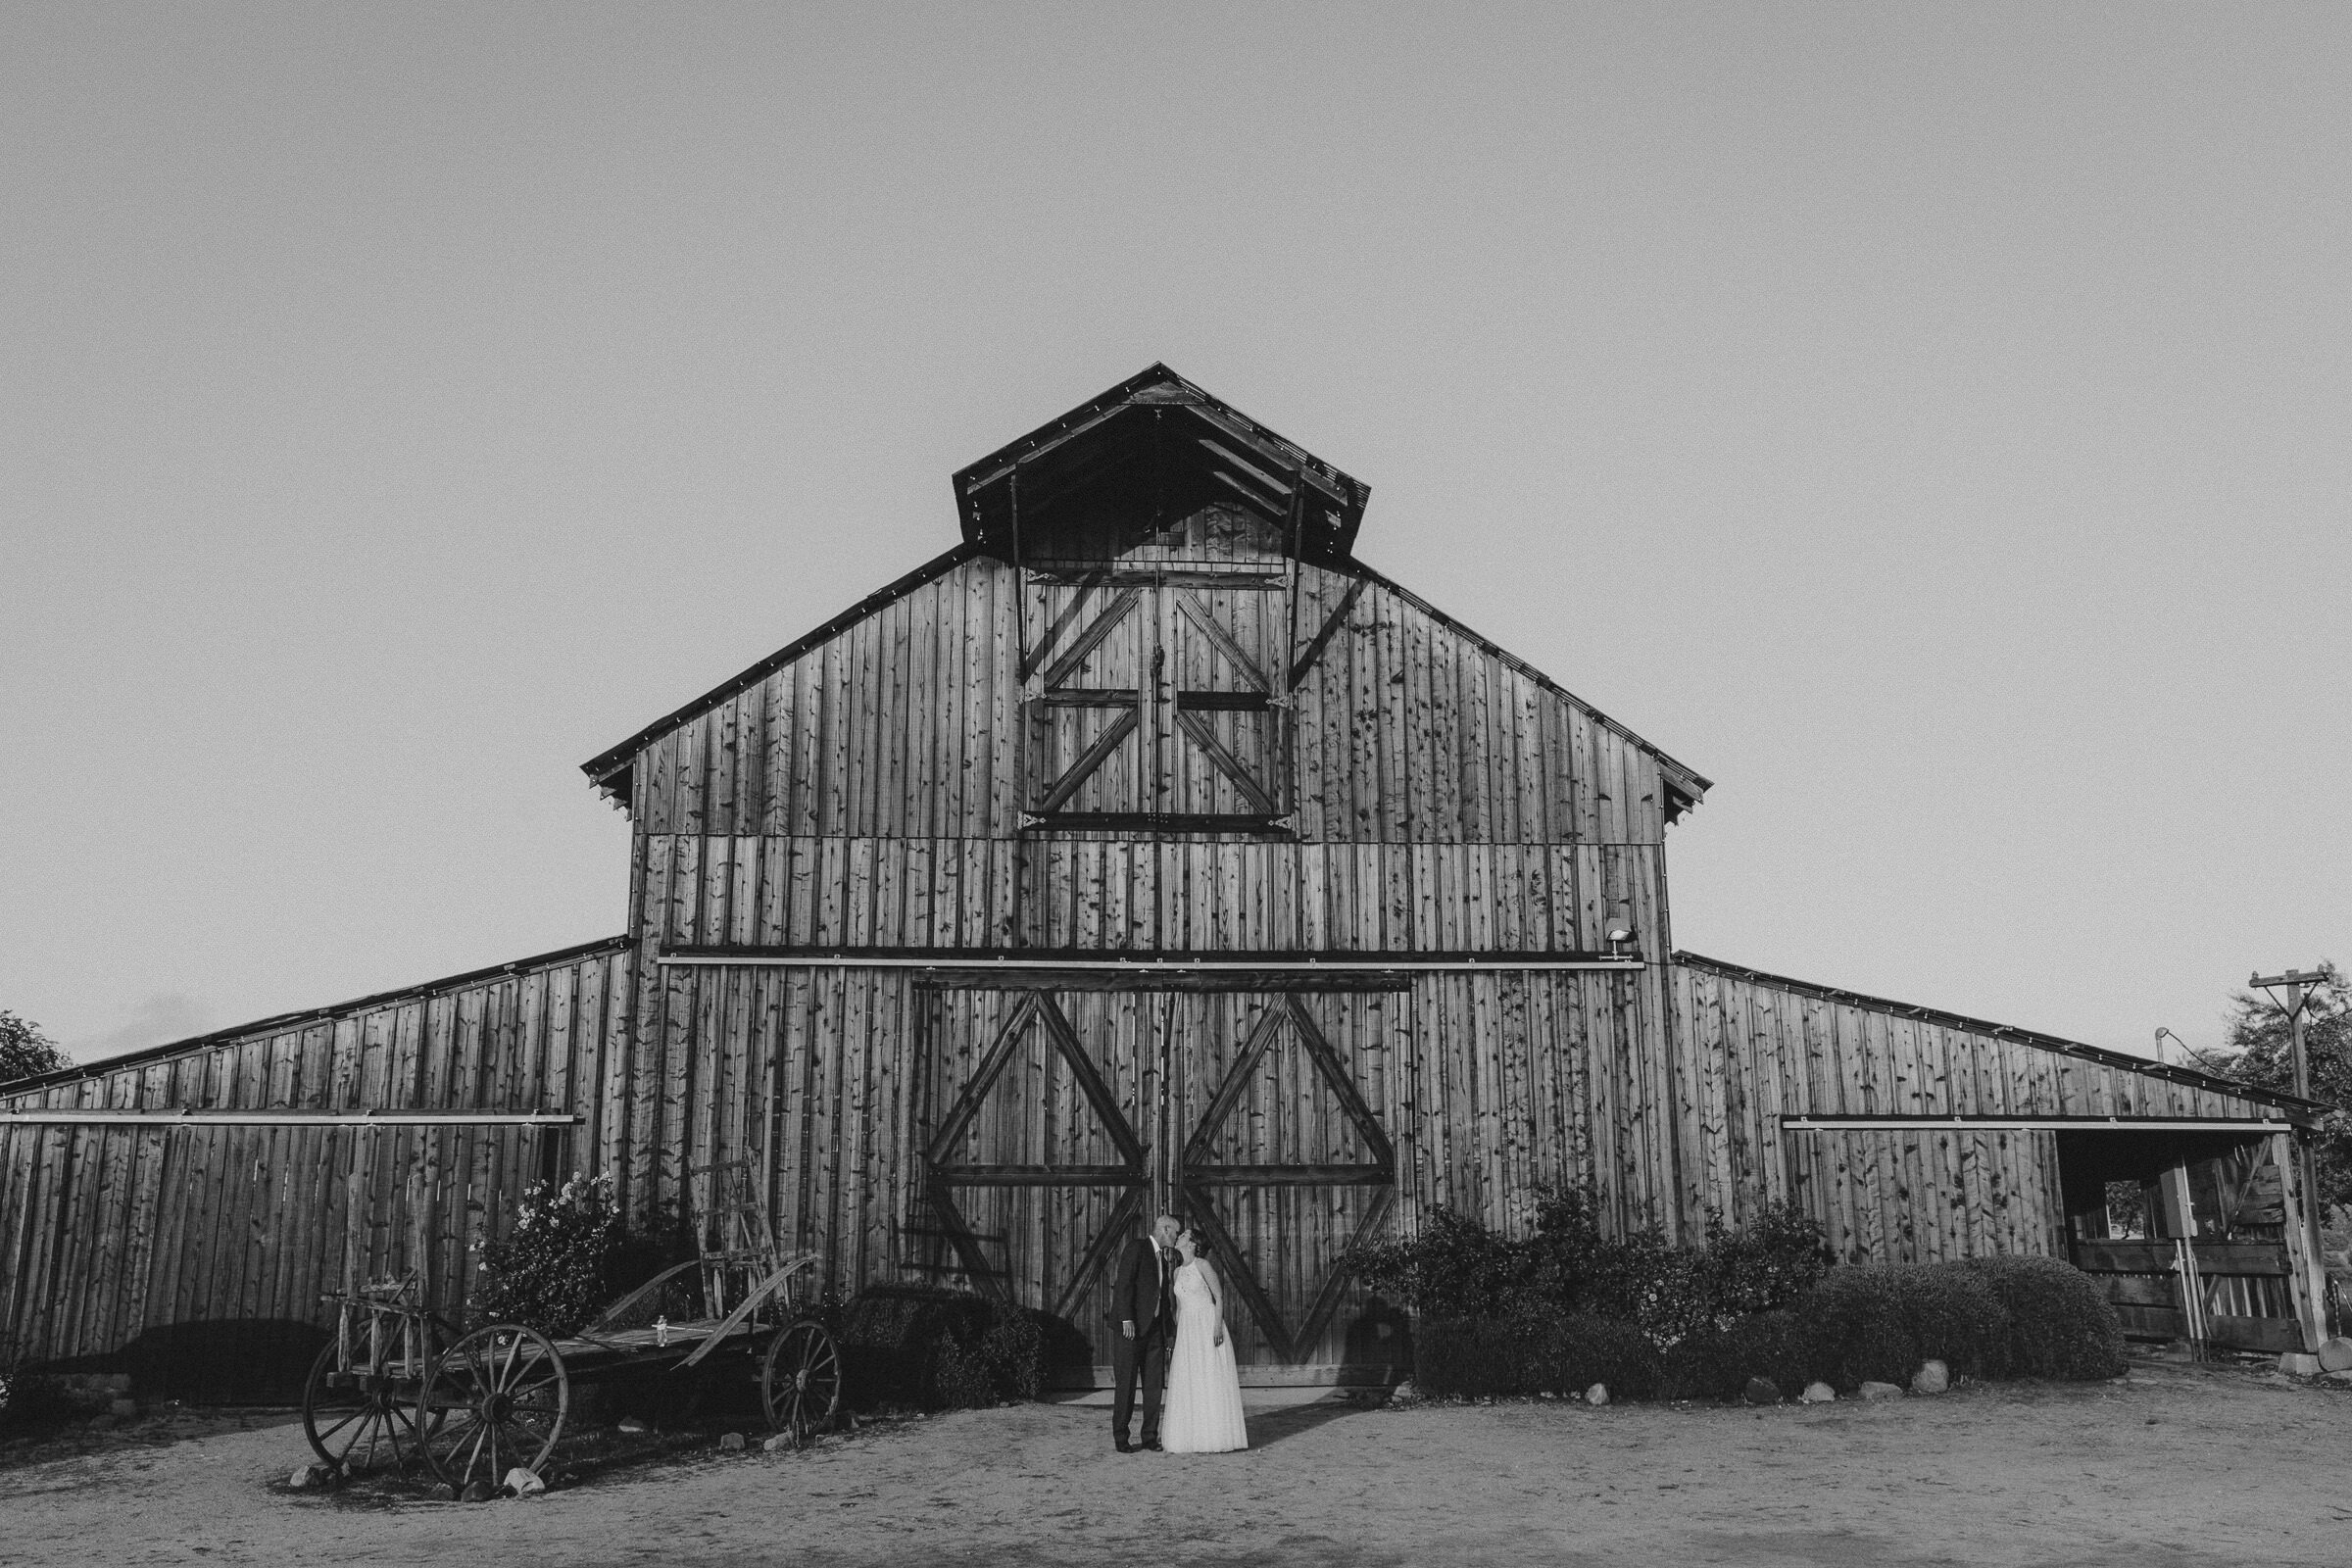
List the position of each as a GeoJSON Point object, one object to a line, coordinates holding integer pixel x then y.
{"type": "Point", "coordinates": [1224, 646]}
{"type": "Point", "coordinates": [1035, 1175]}
{"type": "Point", "coordinates": [1153, 700]}
{"type": "Point", "coordinates": [1287, 1169]}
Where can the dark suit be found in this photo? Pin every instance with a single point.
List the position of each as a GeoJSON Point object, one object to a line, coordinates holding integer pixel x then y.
{"type": "Point", "coordinates": [1143, 1293]}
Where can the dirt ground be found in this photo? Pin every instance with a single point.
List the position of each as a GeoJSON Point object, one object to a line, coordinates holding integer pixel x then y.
{"type": "Point", "coordinates": [2177, 1466]}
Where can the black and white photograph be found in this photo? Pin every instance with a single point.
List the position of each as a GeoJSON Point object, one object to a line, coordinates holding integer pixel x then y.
{"type": "Point", "coordinates": [874, 784]}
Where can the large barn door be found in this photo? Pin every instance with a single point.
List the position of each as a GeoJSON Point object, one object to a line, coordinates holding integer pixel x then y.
{"type": "Point", "coordinates": [1056, 1124]}
{"type": "Point", "coordinates": [1284, 1164]}
{"type": "Point", "coordinates": [1155, 700]}
{"type": "Point", "coordinates": [1035, 1172]}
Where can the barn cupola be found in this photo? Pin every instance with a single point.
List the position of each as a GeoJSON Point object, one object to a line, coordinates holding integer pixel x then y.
{"type": "Point", "coordinates": [1122, 470]}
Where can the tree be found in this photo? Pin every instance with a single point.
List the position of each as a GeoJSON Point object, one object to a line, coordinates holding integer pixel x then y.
{"type": "Point", "coordinates": [24, 1050]}
{"type": "Point", "coordinates": [2259, 1052]}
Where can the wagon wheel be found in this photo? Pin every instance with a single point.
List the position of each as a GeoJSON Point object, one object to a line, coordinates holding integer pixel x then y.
{"type": "Point", "coordinates": [493, 1401]}
{"type": "Point", "coordinates": [801, 1381]}
{"type": "Point", "coordinates": [360, 1420]}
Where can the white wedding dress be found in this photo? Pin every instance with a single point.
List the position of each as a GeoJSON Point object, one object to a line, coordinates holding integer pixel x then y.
{"type": "Point", "coordinates": [1203, 1410]}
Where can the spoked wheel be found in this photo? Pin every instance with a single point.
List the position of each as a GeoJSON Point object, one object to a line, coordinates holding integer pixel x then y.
{"type": "Point", "coordinates": [495, 1399]}
{"type": "Point", "coordinates": [801, 1381]}
{"type": "Point", "coordinates": [360, 1420]}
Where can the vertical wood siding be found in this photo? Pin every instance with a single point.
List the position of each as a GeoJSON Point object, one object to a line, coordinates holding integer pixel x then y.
{"type": "Point", "coordinates": [1749, 1051]}
{"type": "Point", "coordinates": [909, 724]}
{"type": "Point", "coordinates": [108, 1233]}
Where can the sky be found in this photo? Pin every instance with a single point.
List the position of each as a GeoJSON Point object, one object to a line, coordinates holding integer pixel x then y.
{"type": "Point", "coordinates": [1929, 422]}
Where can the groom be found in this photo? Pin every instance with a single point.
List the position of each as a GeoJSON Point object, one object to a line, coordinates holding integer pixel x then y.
{"type": "Point", "coordinates": [1144, 1301]}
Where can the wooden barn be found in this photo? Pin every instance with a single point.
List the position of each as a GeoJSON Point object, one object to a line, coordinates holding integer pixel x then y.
{"type": "Point", "coordinates": [1145, 850]}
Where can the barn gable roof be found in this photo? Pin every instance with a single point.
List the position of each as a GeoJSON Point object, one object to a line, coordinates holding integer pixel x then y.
{"type": "Point", "coordinates": [1157, 429]}
{"type": "Point", "coordinates": [1152, 428]}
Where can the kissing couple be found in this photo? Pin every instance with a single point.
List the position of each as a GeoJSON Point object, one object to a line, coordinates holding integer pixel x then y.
{"type": "Point", "coordinates": [1170, 1310]}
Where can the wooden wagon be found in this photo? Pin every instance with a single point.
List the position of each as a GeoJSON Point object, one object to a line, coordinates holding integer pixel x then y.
{"type": "Point", "coordinates": [400, 1386]}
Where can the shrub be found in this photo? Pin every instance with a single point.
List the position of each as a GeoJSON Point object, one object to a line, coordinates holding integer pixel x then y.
{"type": "Point", "coordinates": [1453, 1266]}
{"type": "Point", "coordinates": [1456, 1267]}
{"type": "Point", "coordinates": [1533, 1352]}
{"type": "Point", "coordinates": [1983, 1317]}
{"type": "Point", "coordinates": [560, 1265]}
{"type": "Point", "coordinates": [1786, 1349]}
{"type": "Point", "coordinates": [2060, 1322]}
{"type": "Point", "coordinates": [1878, 1324]}
{"type": "Point", "coordinates": [943, 1349]}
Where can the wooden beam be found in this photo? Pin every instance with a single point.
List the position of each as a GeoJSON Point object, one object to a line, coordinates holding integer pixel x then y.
{"type": "Point", "coordinates": [1290, 1175]}
{"type": "Point", "coordinates": [2064, 1124]}
{"type": "Point", "coordinates": [2306, 1271]}
{"type": "Point", "coordinates": [1238, 962]}
{"type": "Point", "coordinates": [291, 1119]}
{"type": "Point", "coordinates": [1040, 1175]}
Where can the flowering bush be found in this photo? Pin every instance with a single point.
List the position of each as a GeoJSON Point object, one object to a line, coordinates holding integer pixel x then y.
{"type": "Point", "coordinates": [1456, 1267]}
{"type": "Point", "coordinates": [559, 1265]}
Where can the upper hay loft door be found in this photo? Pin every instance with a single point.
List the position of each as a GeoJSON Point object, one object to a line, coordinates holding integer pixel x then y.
{"type": "Point", "coordinates": [1153, 699]}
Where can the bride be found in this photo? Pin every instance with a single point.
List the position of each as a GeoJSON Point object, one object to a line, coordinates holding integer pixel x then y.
{"type": "Point", "coordinates": [1205, 1391]}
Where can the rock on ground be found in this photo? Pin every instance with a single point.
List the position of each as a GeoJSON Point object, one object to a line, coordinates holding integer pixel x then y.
{"type": "Point", "coordinates": [1933, 1377]}
{"type": "Point", "coordinates": [1761, 1391]}
{"type": "Point", "coordinates": [2337, 1356]}
{"type": "Point", "coordinates": [1880, 1391]}
{"type": "Point", "coordinates": [1818, 1394]}
{"type": "Point", "coordinates": [1597, 1393]}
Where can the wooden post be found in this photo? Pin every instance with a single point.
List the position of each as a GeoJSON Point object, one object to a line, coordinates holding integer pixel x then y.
{"type": "Point", "coordinates": [2306, 1270]}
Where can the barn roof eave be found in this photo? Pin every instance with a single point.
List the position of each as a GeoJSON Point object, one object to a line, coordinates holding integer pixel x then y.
{"type": "Point", "coordinates": [2298, 1108]}
{"type": "Point", "coordinates": [609, 768]}
{"type": "Point", "coordinates": [145, 1055]}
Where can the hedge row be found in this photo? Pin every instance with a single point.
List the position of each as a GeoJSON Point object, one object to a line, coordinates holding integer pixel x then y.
{"type": "Point", "coordinates": [1993, 1317]}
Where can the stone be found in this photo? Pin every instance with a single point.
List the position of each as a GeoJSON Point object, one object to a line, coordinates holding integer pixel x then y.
{"type": "Point", "coordinates": [1597, 1393]}
{"type": "Point", "coordinates": [1403, 1394]}
{"type": "Point", "coordinates": [2337, 1356]}
{"type": "Point", "coordinates": [630, 1423]}
{"type": "Point", "coordinates": [308, 1478]}
{"type": "Point", "coordinates": [781, 1443]}
{"type": "Point", "coordinates": [2344, 1378]}
{"type": "Point", "coordinates": [479, 1492]}
{"type": "Point", "coordinates": [1933, 1377]}
{"type": "Point", "coordinates": [731, 1442]}
{"type": "Point", "coordinates": [524, 1483]}
{"type": "Point", "coordinates": [1880, 1391]}
{"type": "Point", "coordinates": [1818, 1394]}
{"type": "Point", "coordinates": [2295, 1364]}
{"type": "Point", "coordinates": [1761, 1391]}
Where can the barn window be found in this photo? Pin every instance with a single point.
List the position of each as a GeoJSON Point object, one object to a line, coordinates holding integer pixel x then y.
{"type": "Point", "coordinates": [1154, 702]}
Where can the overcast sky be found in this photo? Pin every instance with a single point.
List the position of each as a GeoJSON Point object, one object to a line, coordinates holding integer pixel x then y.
{"type": "Point", "coordinates": [1930, 423]}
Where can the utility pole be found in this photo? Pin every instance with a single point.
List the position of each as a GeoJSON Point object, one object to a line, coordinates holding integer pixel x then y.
{"type": "Point", "coordinates": [2294, 981]}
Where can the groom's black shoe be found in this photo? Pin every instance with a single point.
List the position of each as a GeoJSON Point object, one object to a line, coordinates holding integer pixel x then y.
{"type": "Point", "coordinates": [1122, 1445]}
{"type": "Point", "coordinates": [1152, 1446]}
